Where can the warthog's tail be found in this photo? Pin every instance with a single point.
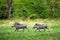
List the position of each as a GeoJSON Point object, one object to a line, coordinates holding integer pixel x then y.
{"type": "Point", "coordinates": [48, 29]}
{"type": "Point", "coordinates": [27, 29]}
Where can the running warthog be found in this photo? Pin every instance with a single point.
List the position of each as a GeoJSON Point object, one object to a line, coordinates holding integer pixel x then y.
{"type": "Point", "coordinates": [40, 26]}
{"type": "Point", "coordinates": [19, 26]}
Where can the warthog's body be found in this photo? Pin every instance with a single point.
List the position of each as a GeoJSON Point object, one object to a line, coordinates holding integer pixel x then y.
{"type": "Point", "coordinates": [19, 26]}
{"type": "Point", "coordinates": [40, 26]}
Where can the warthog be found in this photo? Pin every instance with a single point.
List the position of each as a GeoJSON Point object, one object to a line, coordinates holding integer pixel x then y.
{"type": "Point", "coordinates": [40, 26]}
{"type": "Point", "coordinates": [19, 26]}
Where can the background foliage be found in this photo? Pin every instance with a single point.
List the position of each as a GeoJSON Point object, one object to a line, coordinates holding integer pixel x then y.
{"type": "Point", "coordinates": [31, 9]}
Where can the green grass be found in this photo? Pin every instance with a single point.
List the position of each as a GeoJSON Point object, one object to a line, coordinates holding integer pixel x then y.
{"type": "Point", "coordinates": [8, 33]}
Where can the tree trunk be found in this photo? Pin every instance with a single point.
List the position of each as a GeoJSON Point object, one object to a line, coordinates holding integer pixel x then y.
{"type": "Point", "coordinates": [9, 3]}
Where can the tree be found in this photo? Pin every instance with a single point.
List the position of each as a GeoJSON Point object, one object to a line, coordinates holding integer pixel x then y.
{"type": "Point", "coordinates": [9, 3]}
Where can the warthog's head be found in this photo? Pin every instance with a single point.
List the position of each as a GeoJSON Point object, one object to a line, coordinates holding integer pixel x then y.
{"type": "Point", "coordinates": [35, 26]}
{"type": "Point", "coordinates": [15, 24]}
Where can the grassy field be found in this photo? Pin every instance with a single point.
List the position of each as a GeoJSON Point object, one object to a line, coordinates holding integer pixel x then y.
{"type": "Point", "coordinates": [8, 33]}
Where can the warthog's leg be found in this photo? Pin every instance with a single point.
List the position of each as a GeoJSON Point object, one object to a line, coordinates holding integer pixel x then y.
{"type": "Point", "coordinates": [27, 29]}
{"type": "Point", "coordinates": [16, 29]}
{"type": "Point", "coordinates": [44, 29]}
{"type": "Point", "coordinates": [37, 29]}
{"type": "Point", "coordinates": [23, 29]}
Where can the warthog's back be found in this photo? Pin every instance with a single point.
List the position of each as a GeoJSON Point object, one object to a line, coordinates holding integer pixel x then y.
{"type": "Point", "coordinates": [20, 25]}
{"type": "Point", "coordinates": [40, 25]}
{"type": "Point", "coordinates": [36, 26]}
{"type": "Point", "coordinates": [44, 25]}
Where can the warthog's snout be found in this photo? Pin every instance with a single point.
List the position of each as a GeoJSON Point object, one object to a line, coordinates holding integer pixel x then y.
{"type": "Point", "coordinates": [33, 27]}
{"type": "Point", "coordinates": [12, 26]}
